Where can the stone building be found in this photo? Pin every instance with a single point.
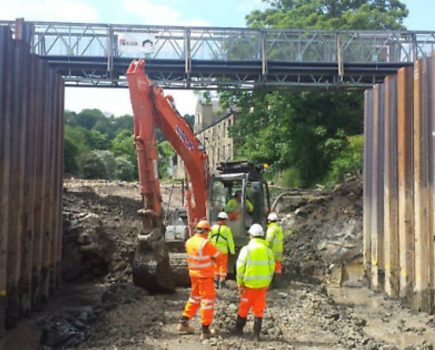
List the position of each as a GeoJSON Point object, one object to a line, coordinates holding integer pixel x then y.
{"type": "Point", "coordinates": [212, 130]}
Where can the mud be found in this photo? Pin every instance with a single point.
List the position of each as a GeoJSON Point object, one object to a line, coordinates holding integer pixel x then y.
{"type": "Point", "coordinates": [322, 303]}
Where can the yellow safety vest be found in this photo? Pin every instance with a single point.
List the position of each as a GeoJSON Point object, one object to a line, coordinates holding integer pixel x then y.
{"type": "Point", "coordinates": [255, 264]}
{"type": "Point", "coordinates": [275, 240]}
{"type": "Point", "coordinates": [222, 238]}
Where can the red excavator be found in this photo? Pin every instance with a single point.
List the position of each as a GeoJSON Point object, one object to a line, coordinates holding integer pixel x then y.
{"type": "Point", "coordinates": [205, 195]}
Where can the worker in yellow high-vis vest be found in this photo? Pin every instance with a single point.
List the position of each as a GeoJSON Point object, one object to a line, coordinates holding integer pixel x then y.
{"type": "Point", "coordinates": [222, 238]}
{"type": "Point", "coordinates": [255, 268]}
{"type": "Point", "coordinates": [275, 240]}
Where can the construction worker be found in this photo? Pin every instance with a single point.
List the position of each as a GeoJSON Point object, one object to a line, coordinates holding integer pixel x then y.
{"type": "Point", "coordinates": [255, 267]}
{"type": "Point", "coordinates": [275, 240]}
{"type": "Point", "coordinates": [200, 253]}
{"type": "Point", "coordinates": [222, 238]}
{"type": "Point", "coordinates": [234, 206]}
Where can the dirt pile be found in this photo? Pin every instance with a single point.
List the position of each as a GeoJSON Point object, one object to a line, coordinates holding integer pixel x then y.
{"type": "Point", "coordinates": [324, 229]}
{"type": "Point", "coordinates": [100, 227]}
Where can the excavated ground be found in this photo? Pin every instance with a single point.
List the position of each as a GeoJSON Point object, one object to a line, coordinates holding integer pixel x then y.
{"type": "Point", "coordinates": [322, 303]}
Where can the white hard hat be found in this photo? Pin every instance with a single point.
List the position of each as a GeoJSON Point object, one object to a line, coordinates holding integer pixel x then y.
{"type": "Point", "coordinates": [256, 230]}
{"type": "Point", "coordinates": [272, 217]}
{"type": "Point", "coordinates": [222, 215]}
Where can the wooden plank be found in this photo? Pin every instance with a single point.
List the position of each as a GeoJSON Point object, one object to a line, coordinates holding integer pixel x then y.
{"type": "Point", "coordinates": [391, 241]}
{"type": "Point", "coordinates": [405, 128]}
{"type": "Point", "coordinates": [422, 299]}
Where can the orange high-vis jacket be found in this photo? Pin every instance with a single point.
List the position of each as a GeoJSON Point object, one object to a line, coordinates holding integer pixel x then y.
{"type": "Point", "coordinates": [199, 256]}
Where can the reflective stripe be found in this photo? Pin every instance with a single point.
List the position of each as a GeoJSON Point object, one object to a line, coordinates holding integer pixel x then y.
{"type": "Point", "coordinates": [214, 256]}
{"type": "Point", "coordinates": [208, 300]}
{"type": "Point", "coordinates": [199, 258]}
{"type": "Point", "coordinates": [201, 247]}
{"type": "Point", "coordinates": [199, 266]}
{"type": "Point", "coordinates": [256, 278]}
{"type": "Point", "coordinates": [193, 301]}
{"type": "Point", "coordinates": [244, 300]}
{"type": "Point", "coordinates": [211, 307]}
{"type": "Point", "coordinates": [258, 263]}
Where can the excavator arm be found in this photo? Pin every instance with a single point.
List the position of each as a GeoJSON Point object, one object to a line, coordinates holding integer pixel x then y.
{"type": "Point", "coordinates": [151, 109]}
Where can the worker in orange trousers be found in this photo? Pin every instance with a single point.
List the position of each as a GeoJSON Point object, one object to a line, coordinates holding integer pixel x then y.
{"type": "Point", "coordinates": [200, 255]}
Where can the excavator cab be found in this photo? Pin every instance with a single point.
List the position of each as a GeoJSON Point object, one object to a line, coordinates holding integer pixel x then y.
{"type": "Point", "coordinates": [240, 191]}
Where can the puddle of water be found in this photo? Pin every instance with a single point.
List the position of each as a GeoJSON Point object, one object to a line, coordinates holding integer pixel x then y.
{"type": "Point", "coordinates": [386, 319]}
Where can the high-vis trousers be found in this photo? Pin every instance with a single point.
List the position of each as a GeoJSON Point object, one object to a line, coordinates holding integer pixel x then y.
{"type": "Point", "coordinates": [202, 294]}
{"type": "Point", "coordinates": [220, 267]}
{"type": "Point", "coordinates": [255, 298]}
{"type": "Point", "coordinates": [278, 266]}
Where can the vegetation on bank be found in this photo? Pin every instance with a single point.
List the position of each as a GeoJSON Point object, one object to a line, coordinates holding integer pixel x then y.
{"type": "Point", "coordinates": [315, 135]}
{"type": "Point", "coordinates": [307, 136]}
{"type": "Point", "coordinates": [101, 147]}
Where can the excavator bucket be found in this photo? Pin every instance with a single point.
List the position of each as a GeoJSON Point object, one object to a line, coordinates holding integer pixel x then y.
{"type": "Point", "coordinates": [151, 268]}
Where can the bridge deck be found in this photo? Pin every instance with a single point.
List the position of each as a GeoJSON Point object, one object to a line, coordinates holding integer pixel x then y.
{"type": "Point", "coordinates": [207, 58]}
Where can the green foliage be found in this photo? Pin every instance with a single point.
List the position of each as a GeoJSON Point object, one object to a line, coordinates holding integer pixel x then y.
{"type": "Point", "coordinates": [125, 170]}
{"type": "Point", "coordinates": [190, 118]}
{"type": "Point", "coordinates": [103, 147]}
{"type": "Point", "coordinates": [165, 153]}
{"type": "Point", "coordinates": [123, 145]}
{"type": "Point", "coordinates": [98, 164]}
{"type": "Point", "coordinates": [306, 133]}
{"type": "Point", "coordinates": [330, 14]}
{"type": "Point", "coordinates": [87, 118]}
{"type": "Point", "coordinates": [289, 177]}
{"type": "Point", "coordinates": [92, 166]}
{"type": "Point", "coordinates": [349, 162]}
{"type": "Point", "coordinates": [70, 153]}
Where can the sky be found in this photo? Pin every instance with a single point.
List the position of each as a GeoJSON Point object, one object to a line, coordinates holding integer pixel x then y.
{"type": "Point", "coordinates": [222, 13]}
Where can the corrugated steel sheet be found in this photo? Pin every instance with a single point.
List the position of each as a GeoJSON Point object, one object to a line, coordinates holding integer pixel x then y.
{"type": "Point", "coordinates": [31, 146]}
{"type": "Point", "coordinates": [399, 177]}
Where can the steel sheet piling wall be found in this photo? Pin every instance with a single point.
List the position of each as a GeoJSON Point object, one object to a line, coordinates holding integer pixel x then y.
{"type": "Point", "coordinates": [31, 152]}
{"type": "Point", "coordinates": [391, 241]}
{"type": "Point", "coordinates": [405, 170]}
{"type": "Point", "coordinates": [400, 143]}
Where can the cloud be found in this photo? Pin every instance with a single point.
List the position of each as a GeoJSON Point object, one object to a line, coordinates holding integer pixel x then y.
{"type": "Point", "coordinates": [246, 6]}
{"type": "Point", "coordinates": [48, 10]}
{"type": "Point", "coordinates": [152, 13]}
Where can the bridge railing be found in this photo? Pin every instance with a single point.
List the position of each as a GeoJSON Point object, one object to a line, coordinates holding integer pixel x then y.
{"type": "Point", "coordinates": [223, 44]}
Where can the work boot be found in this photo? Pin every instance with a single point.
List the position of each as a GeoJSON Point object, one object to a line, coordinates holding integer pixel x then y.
{"type": "Point", "coordinates": [277, 281]}
{"type": "Point", "coordinates": [184, 327]}
{"type": "Point", "coordinates": [216, 283]}
{"type": "Point", "coordinates": [207, 332]}
{"type": "Point", "coordinates": [238, 328]}
{"type": "Point", "coordinates": [257, 327]}
{"type": "Point", "coordinates": [222, 284]}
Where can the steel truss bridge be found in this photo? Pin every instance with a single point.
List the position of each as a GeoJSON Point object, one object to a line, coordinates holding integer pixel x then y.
{"type": "Point", "coordinates": [93, 55]}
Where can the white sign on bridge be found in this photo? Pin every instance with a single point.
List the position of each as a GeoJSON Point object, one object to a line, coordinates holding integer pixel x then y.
{"type": "Point", "coordinates": [136, 43]}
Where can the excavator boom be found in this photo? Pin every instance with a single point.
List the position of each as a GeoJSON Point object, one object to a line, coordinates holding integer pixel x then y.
{"type": "Point", "coordinates": [151, 109]}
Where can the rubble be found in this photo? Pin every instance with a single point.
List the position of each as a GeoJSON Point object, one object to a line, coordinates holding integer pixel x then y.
{"type": "Point", "coordinates": [323, 239]}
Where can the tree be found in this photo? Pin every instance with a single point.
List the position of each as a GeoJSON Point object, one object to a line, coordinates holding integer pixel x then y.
{"type": "Point", "coordinates": [87, 118]}
{"type": "Point", "coordinates": [306, 130]}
